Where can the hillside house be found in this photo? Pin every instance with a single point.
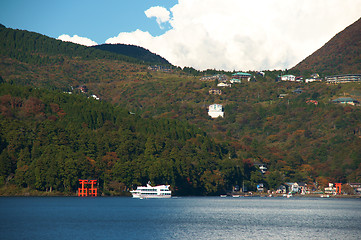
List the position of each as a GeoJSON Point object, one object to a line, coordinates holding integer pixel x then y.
{"type": "Point", "coordinates": [224, 84]}
{"type": "Point", "coordinates": [83, 89]}
{"type": "Point", "coordinates": [261, 73]}
{"type": "Point", "coordinates": [95, 97]}
{"type": "Point", "coordinates": [297, 91]}
{"type": "Point", "coordinates": [215, 110]}
{"type": "Point", "coordinates": [299, 79]}
{"type": "Point", "coordinates": [262, 167]}
{"type": "Point", "coordinates": [215, 91]}
{"type": "Point", "coordinates": [235, 80]}
{"type": "Point", "coordinates": [219, 77]}
{"type": "Point", "coordinates": [207, 78]}
{"type": "Point", "coordinates": [242, 76]}
{"type": "Point", "coordinates": [222, 77]}
{"type": "Point", "coordinates": [309, 80]}
{"type": "Point", "coordinates": [291, 78]}
{"type": "Point", "coordinates": [346, 100]}
{"type": "Point", "coordinates": [345, 78]}
{"type": "Point", "coordinates": [282, 95]}
{"type": "Point", "coordinates": [158, 68]}
{"type": "Point", "coordinates": [314, 78]}
{"type": "Point", "coordinates": [312, 102]}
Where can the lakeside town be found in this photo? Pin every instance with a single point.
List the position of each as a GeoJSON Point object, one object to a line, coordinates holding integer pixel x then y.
{"type": "Point", "coordinates": [302, 189]}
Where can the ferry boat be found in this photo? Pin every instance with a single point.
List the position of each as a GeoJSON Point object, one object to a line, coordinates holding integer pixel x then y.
{"type": "Point", "coordinates": [160, 191]}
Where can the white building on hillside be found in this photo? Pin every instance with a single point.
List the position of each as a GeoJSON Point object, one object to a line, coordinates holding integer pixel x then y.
{"type": "Point", "coordinates": [291, 78]}
{"type": "Point", "coordinates": [215, 110]}
{"type": "Point", "coordinates": [222, 84]}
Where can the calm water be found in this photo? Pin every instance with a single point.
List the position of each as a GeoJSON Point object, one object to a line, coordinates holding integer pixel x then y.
{"type": "Point", "coordinates": [179, 218]}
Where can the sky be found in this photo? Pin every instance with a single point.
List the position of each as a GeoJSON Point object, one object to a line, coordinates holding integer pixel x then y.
{"type": "Point", "coordinates": [204, 34]}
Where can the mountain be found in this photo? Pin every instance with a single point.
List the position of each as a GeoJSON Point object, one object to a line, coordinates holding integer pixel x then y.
{"type": "Point", "coordinates": [35, 48]}
{"type": "Point", "coordinates": [340, 55]}
{"type": "Point", "coordinates": [29, 58]}
{"type": "Point", "coordinates": [299, 140]}
{"type": "Point", "coordinates": [134, 52]}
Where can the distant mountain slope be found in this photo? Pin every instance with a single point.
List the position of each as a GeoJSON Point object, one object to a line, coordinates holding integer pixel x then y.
{"type": "Point", "coordinates": [30, 58]}
{"type": "Point", "coordinates": [342, 54]}
{"type": "Point", "coordinates": [133, 51]}
{"type": "Point", "coordinates": [31, 47]}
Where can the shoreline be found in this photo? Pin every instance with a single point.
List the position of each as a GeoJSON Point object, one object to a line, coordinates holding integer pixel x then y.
{"type": "Point", "coordinates": [318, 195]}
{"type": "Point", "coordinates": [13, 191]}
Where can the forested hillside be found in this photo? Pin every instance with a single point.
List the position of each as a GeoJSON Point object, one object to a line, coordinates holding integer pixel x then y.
{"type": "Point", "coordinates": [340, 55]}
{"type": "Point", "coordinates": [298, 140]}
{"type": "Point", "coordinates": [49, 139]}
{"type": "Point", "coordinates": [135, 52]}
{"type": "Point", "coordinates": [170, 138]}
{"type": "Point", "coordinates": [35, 48]}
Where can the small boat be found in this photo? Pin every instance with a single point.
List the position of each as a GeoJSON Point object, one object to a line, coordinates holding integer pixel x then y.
{"type": "Point", "coordinates": [144, 192]}
{"type": "Point", "coordinates": [236, 196]}
{"type": "Point", "coordinates": [223, 195]}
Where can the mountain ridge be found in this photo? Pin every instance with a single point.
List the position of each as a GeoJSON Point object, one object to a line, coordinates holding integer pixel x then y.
{"type": "Point", "coordinates": [340, 55]}
{"type": "Point", "coordinates": [133, 51]}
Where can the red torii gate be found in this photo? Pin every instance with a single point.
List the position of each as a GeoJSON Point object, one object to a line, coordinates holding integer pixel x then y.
{"type": "Point", "coordinates": [85, 191]}
{"type": "Point", "coordinates": [338, 188]}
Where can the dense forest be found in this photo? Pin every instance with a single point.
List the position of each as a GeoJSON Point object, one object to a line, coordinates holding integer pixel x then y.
{"type": "Point", "coordinates": [34, 48]}
{"type": "Point", "coordinates": [50, 139]}
{"type": "Point", "coordinates": [133, 51]}
{"type": "Point", "coordinates": [154, 125]}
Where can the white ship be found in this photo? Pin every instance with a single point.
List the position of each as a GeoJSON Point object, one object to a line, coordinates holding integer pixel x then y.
{"type": "Point", "coordinates": [161, 191]}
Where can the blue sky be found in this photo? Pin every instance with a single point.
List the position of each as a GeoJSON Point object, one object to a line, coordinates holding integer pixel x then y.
{"type": "Point", "coordinates": [97, 20]}
{"type": "Point", "coordinates": [204, 34]}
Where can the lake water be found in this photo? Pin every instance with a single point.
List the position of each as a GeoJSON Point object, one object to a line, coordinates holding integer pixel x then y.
{"type": "Point", "coordinates": [179, 218]}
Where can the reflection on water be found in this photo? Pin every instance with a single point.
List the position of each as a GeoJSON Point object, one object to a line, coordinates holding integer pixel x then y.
{"type": "Point", "coordinates": [179, 218]}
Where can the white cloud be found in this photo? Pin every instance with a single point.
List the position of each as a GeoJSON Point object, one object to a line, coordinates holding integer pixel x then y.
{"type": "Point", "coordinates": [160, 13]}
{"type": "Point", "coordinates": [142, 38]}
{"type": "Point", "coordinates": [76, 39]}
{"type": "Point", "coordinates": [243, 34]}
